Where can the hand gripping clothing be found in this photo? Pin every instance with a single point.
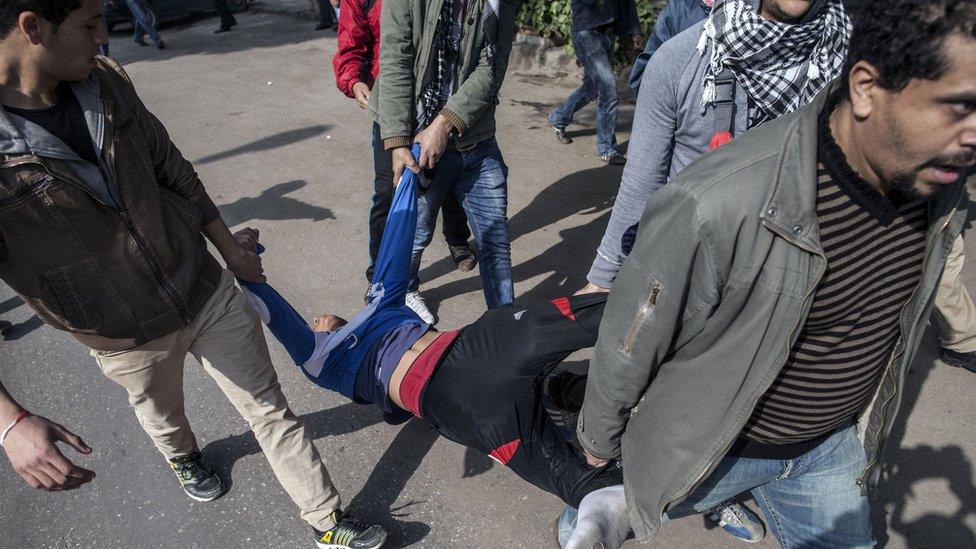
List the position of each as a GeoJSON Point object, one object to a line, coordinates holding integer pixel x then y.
{"type": "Point", "coordinates": [333, 359]}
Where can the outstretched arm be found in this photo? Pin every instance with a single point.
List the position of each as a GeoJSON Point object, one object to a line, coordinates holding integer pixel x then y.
{"type": "Point", "coordinates": [276, 313]}
{"type": "Point", "coordinates": [282, 319]}
{"type": "Point", "coordinates": [392, 268]}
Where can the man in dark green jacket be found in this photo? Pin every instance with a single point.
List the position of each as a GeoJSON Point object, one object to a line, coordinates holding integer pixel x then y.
{"type": "Point", "coordinates": [441, 65]}
{"type": "Point", "coordinates": [779, 287]}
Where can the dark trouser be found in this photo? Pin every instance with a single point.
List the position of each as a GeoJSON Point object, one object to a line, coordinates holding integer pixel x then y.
{"type": "Point", "coordinates": [455, 225]}
{"type": "Point", "coordinates": [487, 392]}
{"type": "Point", "coordinates": [226, 17]}
{"type": "Point", "coordinates": [326, 15]}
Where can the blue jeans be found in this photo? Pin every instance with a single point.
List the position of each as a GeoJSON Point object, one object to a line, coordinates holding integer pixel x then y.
{"type": "Point", "coordinates": [479, 178]}
{"type": "Point", "coordinates": [809, 501]}
{"type": "Point", "coordinates": [595, 50]}
{"type": "Point", "coordinates": [140, 23]}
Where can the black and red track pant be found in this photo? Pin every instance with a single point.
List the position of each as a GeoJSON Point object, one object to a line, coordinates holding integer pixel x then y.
{"type": "Point", "coordinates": [487, 392]}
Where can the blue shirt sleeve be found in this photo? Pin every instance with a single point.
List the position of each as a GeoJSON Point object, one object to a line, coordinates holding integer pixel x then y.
{"type": "Point", "coordinates": [391, 273]}
{"type": "Point", "coordinates": [282, 319]}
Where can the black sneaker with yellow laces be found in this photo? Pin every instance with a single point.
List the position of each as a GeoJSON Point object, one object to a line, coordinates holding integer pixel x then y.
{"type": "Point", "coordinates": [350, 533]}
{"type": "Point", "coordinates": [199, 482]}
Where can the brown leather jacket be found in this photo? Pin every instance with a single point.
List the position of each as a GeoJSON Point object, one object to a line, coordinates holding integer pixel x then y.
{"type": "Point", "coordinates": [115, 270]}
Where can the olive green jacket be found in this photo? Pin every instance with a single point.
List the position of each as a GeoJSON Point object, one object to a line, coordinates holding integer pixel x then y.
{"type": "Point", "coordinates": [708, 305]}
{"type": "Point", "coordinates": [407, 62]}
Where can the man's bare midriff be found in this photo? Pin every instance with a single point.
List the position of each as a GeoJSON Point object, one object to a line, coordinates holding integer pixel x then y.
{"type": "Point", "coordinates": [404, 364]}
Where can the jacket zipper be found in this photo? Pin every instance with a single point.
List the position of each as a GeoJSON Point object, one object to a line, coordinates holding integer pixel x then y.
{"type": "Point", "coordinates": [890, 372]}
{"type": "Point", "coordinates": [752, 405]}
{"type": "Point", "coordinates": [645, 309]}
{"type": "Point", "coordinates": [140, 243]}
{"type": "Point", "coordinates": [107, 164]}
{"type": "Point", "coordinates": [155, 267]}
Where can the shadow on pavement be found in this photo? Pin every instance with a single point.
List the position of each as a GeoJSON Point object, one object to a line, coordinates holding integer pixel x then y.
{"type": "Point", "coordinates": [904, 467]}
{"type": "Point", "coordinates": [222, 454]}
{"type": "Point", "coordinates": [19, 330]}
{"type": "Point", "coordinates": [267, 143]}
{"type": "Point", "coordinates": [566, 263]}
{"type": "Point", "coordinates": [376, 501]}
{"type": "Point", "coordinates": [273, 205]}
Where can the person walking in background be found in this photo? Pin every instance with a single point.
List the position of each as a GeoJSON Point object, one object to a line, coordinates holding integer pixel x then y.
{"type": "Point", "coordinates": [227, 19]}
{"type": "Point", "coordinates": [676, 16]}
{"type": "Point", "coordinates": [596, 24]}
{"type": "Point", "coordinates": [355, 66]}
{"type": "Point", "coordinates": [141, 25]}
{"type": "Point", "coordinates": [327, 15]}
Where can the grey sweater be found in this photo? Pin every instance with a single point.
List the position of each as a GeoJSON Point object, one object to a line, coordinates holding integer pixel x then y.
{"type": "Point", "coordinates": [669, 132]}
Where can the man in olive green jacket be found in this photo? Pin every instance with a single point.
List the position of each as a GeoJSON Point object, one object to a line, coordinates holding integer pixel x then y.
{"type": "Point", "coordinates": [779, 287]}
{"type": "Point", "coordinates": [442, 63]}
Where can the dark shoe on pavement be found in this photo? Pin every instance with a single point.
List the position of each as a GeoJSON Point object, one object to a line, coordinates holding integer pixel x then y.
{"type": "Point", "coordinates": [614, 159]}
{"type": "Point", "coordinates": [561, 135]}
{"type": "Point", "coordinates": [223, 29]}
{"type": "Point", "coordinates": [323, 25]}
{"type": "Point", "coordinates": [959, 360]}
{"type": "Point", "coordinates": [161, 45]}
{"type": "Point", "coordinates": [140, 42]}
{"type": "Point", "coordinates": [738, 521]}
{"type": "Point", "coordinates": [199, 482]}
{"type": "Point", "coordinates": [464, 257]}
{"type": "Point", "coordinates": [350, 533]}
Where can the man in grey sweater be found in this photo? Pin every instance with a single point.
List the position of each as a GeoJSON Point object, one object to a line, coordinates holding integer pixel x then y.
{"type": "Point", "coordinates": [671, 129]}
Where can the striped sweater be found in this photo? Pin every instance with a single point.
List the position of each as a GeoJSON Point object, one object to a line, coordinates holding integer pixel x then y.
{"type": "Point", "coordinates": [875, 249]}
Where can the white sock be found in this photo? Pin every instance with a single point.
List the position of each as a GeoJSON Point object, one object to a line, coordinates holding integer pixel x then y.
{"type": "Point", "coordinates": [602, 520]}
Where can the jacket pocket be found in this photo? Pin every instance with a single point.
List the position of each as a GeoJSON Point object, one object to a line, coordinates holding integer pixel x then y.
{"type": "Point", "coordinates": [184, 221]}
{"type": "Point", "coordinates": [62, 298]}
{"type": "Point", "coordinates": [645, 310]}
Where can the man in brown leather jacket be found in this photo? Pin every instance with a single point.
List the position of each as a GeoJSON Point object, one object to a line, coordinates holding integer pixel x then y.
{"type": "Point", "coordinates": [101, 233]}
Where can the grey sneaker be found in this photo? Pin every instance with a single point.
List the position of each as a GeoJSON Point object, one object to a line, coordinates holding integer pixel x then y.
{"type": "Point", "coordinates": [738, 521]}
{"type": "Point", "coordinates": [350, 533]}
{"type": "Point", "coordinates": [614, 158]}
{"type": "Point", "coordinates": [417, 303]}
{"type": "Point", "coordinates": [199, 482]}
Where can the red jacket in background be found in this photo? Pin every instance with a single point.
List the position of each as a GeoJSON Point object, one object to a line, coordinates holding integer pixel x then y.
{"type": "Point", "coordinates": [357, 59]}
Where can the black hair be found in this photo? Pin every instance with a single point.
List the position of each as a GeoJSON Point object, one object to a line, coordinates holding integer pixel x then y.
{"type": "Point", "coordinates": [904, 39]}
{"type": "Point", "coordinates": [53, 11]}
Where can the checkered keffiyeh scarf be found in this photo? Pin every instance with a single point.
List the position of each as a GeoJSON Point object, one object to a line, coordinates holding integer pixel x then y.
{"type": "Point", "coordinates": [429, 104]}
{"type": "Point", "coordinates": [780, 66]}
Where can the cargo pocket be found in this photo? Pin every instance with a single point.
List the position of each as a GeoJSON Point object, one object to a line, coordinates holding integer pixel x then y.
{"type": "Point", "coordinates": [645, 311]}
{"type": "Point", "coordinates": [62, 298]}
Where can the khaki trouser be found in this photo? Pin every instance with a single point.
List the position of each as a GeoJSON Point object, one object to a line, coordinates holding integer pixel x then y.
{"type": "Point", "coordinates": [227, 338]}
{"type": "Point", "coordinates": [956, 313]}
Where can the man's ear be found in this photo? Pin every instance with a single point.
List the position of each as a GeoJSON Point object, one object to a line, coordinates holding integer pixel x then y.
{"type": "Point", "coordinates": [29, 24]}
{"type": "Point", "coordinates": [864, 89]}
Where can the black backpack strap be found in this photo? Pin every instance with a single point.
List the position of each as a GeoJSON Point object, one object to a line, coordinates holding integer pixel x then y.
{"type": "Point", "coordinates": [724, 109]}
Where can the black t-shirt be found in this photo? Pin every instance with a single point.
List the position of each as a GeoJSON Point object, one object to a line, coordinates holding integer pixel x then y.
{"type": "Point", "coordinates": [66, 121]}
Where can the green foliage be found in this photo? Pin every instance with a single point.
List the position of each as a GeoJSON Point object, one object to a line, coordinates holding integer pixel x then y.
{"type": "Point", "coordinates": [554, 20]}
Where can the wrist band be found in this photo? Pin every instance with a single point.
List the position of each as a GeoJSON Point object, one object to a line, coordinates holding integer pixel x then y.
{"type": "Point", "coordinates": [20, 417]}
